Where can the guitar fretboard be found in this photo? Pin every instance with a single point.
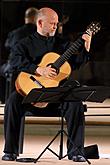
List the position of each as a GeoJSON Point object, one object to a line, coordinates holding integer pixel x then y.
{"type": "Point", "coordinates": [68, 53]}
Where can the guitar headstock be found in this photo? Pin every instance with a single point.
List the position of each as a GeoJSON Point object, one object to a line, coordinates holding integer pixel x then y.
{"type": "Point", "coordinates": [93, 28]}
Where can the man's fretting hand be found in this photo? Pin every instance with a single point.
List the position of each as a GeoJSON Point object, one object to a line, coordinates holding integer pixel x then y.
{"type": "Point", "coordinates": [87, 39]}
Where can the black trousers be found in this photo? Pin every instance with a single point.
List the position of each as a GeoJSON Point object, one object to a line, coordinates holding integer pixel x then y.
{"type": "Point", "coordinates": [14, 110]}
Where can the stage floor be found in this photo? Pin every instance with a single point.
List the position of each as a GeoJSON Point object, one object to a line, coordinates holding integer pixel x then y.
{"type": "Point", "coordinates": [35, 144]}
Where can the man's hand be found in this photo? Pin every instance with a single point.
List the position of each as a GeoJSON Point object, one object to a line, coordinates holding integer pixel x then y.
{"type": "Point", "coordinates": [48, 72]}
{"type": "Point", "coordinates": [40, 104]}
{"type": "Point", "coordinates": [87, 39]}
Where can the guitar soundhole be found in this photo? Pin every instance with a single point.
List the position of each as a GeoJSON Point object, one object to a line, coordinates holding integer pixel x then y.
{"type": "Point", "coordinates": [52, 65]}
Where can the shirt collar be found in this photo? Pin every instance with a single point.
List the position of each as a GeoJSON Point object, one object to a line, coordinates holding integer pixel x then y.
{"type": "Point", "coordinates": [43, 37]}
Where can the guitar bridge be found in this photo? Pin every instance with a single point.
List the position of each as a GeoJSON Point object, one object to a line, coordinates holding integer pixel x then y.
{"type": "Point", "coordinates": [36, 81]}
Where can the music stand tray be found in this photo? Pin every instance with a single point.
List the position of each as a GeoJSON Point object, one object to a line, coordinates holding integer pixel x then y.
{"type": "Point", "coordinates": [59, 94]}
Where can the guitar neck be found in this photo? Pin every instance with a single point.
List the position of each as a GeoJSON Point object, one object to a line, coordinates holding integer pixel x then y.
{"type": "Point", "coordinates": [93, 28]}
{"type": "Point", "coordinates": [68, 53]}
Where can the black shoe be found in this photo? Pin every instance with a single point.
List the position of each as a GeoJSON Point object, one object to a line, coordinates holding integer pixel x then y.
{"type": "Point", "coordinates": [78, 158]}
{"type": "Point", "coordinates": [9, 157]}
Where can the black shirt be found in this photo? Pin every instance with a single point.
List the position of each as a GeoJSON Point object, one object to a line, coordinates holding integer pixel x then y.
{"type": "Point", "coordinates": [28, 53]}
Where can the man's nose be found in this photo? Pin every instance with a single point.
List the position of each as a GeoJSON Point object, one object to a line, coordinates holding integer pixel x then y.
{"type": "Point", "coordinates": [55, 26]}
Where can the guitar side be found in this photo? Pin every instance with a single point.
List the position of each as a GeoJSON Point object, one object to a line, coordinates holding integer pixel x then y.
{"type": "Point", "coordinates": [25, 81]}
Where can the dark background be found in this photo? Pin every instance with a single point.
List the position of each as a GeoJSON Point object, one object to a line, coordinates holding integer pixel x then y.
{"type": "Point", "coordinates": [81, 13]}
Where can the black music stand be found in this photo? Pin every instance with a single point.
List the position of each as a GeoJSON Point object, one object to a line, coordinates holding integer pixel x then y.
{"type": "Point", "coordinates": [55, 95]}
{"type": "Point", "coordinates": [60, 95]}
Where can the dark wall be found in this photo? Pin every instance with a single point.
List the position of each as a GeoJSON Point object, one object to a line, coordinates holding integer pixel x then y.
{"type": "Point", "coordinates": [81, 13]}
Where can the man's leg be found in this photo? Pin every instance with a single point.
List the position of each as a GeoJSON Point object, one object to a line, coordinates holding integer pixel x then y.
{"type": "Point", "coordinates": [75, 119]}
{"type": "Point", "coordinates": [12, 120]}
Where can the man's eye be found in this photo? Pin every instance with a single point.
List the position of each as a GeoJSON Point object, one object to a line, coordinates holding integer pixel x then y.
{"type": "Point", "coordinates": [55, 24]}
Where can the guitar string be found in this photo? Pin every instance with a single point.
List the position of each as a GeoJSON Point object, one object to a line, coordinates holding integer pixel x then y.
{"type": "Point", "coordinates": [73, 48]}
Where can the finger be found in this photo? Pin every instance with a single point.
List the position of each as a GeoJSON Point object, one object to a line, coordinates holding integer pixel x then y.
{"type": "Point", "coordinates": [53, 69]}
{"type": "Point", "coordinates": [87, 46]}
{"type": "Point", "coordinates": [52, 74]}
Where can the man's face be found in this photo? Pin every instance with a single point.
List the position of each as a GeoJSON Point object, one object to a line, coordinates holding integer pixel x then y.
{"type": "Point", "coordinates": [49, 25]}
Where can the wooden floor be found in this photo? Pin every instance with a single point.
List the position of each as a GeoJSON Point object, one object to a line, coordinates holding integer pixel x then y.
{"type": "Point", "coordinates": [35, 144]}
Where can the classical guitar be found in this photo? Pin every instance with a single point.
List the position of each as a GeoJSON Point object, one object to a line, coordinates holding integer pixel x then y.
{"type": "Point", "coordinates": [25, 82]}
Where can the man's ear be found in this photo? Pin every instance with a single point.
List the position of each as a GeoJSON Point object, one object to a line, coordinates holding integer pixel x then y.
{"type": "Point", "coordinates": [40, 22]}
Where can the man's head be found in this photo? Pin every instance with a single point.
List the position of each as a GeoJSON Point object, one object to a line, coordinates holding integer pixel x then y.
{"type": "Point", "coordinates": [47, 20]}
{"type": "Point", "coordinates": [30, 15]}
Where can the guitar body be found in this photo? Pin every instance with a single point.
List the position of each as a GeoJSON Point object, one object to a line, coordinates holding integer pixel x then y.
{"type": "Point", "coordinates": [24, 84]}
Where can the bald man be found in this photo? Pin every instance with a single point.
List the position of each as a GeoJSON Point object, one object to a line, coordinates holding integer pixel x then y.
{"type": "Point", "coordinates": [25, 57]}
